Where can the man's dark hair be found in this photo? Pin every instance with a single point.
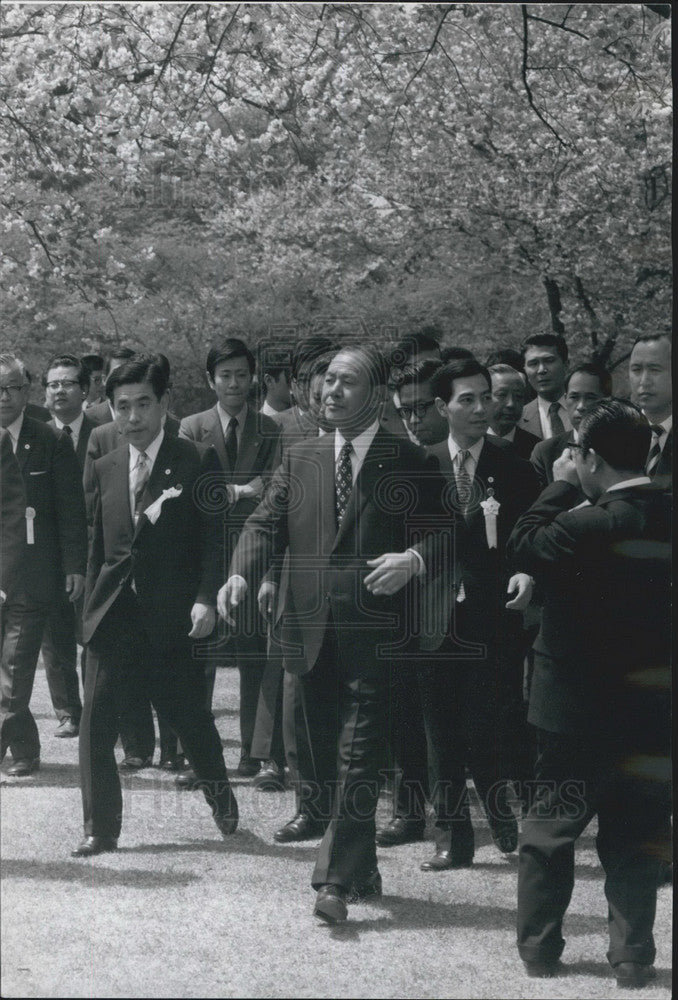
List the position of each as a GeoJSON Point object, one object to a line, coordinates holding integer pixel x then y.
{"type": "Point", "coordinates": [141, 369]}
{"type": "Point", "coordinates": [228, 350]}
{"type": "Point", "coordinates": [618, 431]}
{"type": "Point", "coordinates": [68, 361]}
{"type": "Point", "coordinates": [273, 361]}
{"type": "Point", "coordinates": [454, 353]}
{"type": "Point", "coordinates": [163, 361]}
{"type": "Point", "coordinates": [306, 351]}
{"type": "Point", "coordinates": [546, 340]}
{"type": "Point", "coordinates": [320, 365]}
{"type": "Point", "coordinates": [442, 383]}
{"type": "Point", "coordinates": [119, 354]}
{"type": "Point", "coordinates": [426, 339]}
{"type": "Point", "coordinates": [649, 338]}
{"type": "Point", "coordinates": [597, 370]}
{"type": "Point", "coordinates": [93, 362]}
{"type": "Point", "coordinates": [416, 373]}
{"type": "Point", "coordinates": [506, 356]}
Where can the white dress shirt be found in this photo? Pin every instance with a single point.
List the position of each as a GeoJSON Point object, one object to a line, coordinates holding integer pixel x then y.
{"type": "Point", "coordinates": [545, 420]}
{"type": "Point", "coordinates": [75, 425]}
{"type": "Point", "coordinates": [152, 453]}
{"type": "Point", "coordinates": [474, 454]}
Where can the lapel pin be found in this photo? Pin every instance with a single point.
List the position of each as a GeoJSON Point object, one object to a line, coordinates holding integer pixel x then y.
{"type": "Point", "coordinates": [167, 472]}
{"type": "Point", "coordinates": [27, 446]}
{"type": "Point", "coordinates": [490, 479]}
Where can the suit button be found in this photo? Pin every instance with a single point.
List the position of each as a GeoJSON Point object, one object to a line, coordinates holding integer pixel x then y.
{"type": "Point", "coordinates": [328, 598]}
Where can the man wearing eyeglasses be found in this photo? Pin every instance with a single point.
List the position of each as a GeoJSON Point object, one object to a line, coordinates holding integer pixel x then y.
{"type": "Point", "coordinates": [55, 563]}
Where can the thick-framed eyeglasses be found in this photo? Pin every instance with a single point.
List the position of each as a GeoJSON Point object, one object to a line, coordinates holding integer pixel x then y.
{"type": "Point", "coordinates": [12, 390]}
{"type": "Point", "coordinates": [64, 383]}
{"type": "Point", "coordinates": [419, 410]}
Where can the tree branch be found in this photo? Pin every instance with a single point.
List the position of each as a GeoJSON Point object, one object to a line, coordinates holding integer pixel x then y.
{"type": "Point", "coordinates": [526, 84]}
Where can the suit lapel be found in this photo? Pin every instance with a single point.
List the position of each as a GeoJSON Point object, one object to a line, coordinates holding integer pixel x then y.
{"type": "Point", "coordinates": [250, 441]}
{"type": "Point", "coordinates": [374, 467]}
{"type": "Point", "coordinates": [25, 444]}
{"type": "Point", "coordinates": [324, 455]}
{"type": "Point", "coordinates": [120, 486]}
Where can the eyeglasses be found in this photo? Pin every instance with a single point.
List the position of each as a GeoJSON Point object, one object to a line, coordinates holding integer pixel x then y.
{"type": "Point", "coordinates": [419, 410]}
{"type": "Point", "coordinates": [12, 389]}
{"type": "Point", "coordinates": [65, 383]}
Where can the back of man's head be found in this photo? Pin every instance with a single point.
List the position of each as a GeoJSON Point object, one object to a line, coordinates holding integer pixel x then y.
{"type": "Point", "coordinates": [409, 348]}
{"type": "Point", "coordinates": [416, 372]}
{"type": "Point", "coordinates": [117, 356]}
{"type": "Point", "coordinates": [619, 433]}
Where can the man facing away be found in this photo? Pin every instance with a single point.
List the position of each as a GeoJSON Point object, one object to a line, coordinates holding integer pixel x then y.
{"type": "Point", "coordinates": [151, 591]}
{"type": "Point", "coordinates": [355, 509]}
{"type": "Point", "coordinates": [600, 691]}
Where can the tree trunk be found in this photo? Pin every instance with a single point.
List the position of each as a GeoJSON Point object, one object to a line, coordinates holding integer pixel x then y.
{"type": "Point", "coordinates": [555, 305]}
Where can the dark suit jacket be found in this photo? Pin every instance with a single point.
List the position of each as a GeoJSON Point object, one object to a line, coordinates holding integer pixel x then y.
{"type": "Point", "coordinates": [485, 572]}
{"type": "Point", "coordinates": [394, 502]}
{"type": "Point", "coordinates": [546, 452]}
{"type": "Point", "coordinates": [173, 562]}
{"type": "Point", "coordinates": [13, 520]}
{"type": "Point", "coordinates": [54, 489]}
{"type": "Point", "coordinates": [36, 412]}
{"type": "Point", "coordinates": [604, 641]}
{"type": "Point", "coordinates": [83, 438]}
{"type": "Point", "coordinates": [524, 442]}
{"type": "Point", "coordinates": [256, 451]}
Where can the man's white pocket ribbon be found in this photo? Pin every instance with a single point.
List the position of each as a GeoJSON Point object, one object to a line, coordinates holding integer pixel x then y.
{"type": "Point", "coordinates": [153, 512]}
{"type": "Point", "coordinates": [490, 510]}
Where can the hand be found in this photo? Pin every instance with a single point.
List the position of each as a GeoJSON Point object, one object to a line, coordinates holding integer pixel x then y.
{"type": "Point", "coordinates": [522, 585]}
{"type": "Point", "coordinates": [204, 619]}
{"type": "Point", "coordinates": [392, 572]}
{"type": "Point", "coordinates": [252, 489]}
{"type": "Point", "coordinates": [266, 599]}
{"type": "Point", "coordinates": [564, 469]}
{"type": "Point", "coordinates": [75, 586]}
{"type": "Point", "coordinates": [229, 597]}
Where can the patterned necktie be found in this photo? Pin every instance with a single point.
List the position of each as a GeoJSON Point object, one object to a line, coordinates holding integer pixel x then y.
{"type": "Point", "coordinates": [655, 450]}
{"type": "Point", "coordinates": [463, 480]}
{"type": "Point", "coordinates": [68, 430]}
{"type": "Point", "coordinates": [557, 426]}
{"type": "Point", "coordinates": [343, 483]}
{"type": "Point", "coordinates": [140, 477]}
{"type": "Point", "coordinates": [231, 442]}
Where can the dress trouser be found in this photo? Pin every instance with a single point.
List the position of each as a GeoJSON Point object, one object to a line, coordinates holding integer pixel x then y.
{"type": "Point", "coordinates": [267, 736]}
{"type": "Point", "coordinates": [23, 625]}
{"type": "Point", "coordinates": [60, 656]}
{"type": "Point", "coordinates": [349, 717]}
{"type": "Point", "coordinates": [409, 744]}
{"type": "Point", "coordinates": [122, 657]}
{"type": "Point", "coordinates": [575, 779]}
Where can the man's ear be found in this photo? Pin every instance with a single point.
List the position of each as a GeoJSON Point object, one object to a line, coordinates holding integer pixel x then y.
{"type": "Point", "coordinates": [210, 382]}
{"type": "Point", "coordinates": [593, 460]}
{"type": "Point", "coordinates": [441, 406]}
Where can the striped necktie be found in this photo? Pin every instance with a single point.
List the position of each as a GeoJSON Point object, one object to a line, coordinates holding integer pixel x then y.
{"type": "Point", "coordinates": [655, 451]}
{"type": "Point", "coordinates": [140, 477]}
{"type": "Point", "coordinates": [463, 480]}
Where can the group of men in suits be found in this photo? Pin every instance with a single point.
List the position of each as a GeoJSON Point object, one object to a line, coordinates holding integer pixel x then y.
{"type": "Point", "coordinates": [373, 600]}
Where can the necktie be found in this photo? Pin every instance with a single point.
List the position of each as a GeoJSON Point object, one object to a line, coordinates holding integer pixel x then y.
{"type": "Point", "coordinates": [343, 482]}
{"type": "Point", "coordinates": [463, 479]}
{"type": "Point", "coordinates": [231, 442]}
{"type": "Point", "coordinates": [140, 476]}
{"type": "Point", "coordinates": [555, 420]}
{"type": "Point", "coordinates": [655, 450]}
{"type": "Point", "coordinates": [69, 431]}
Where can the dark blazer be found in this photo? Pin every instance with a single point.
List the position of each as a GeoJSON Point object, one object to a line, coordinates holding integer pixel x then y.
{"type": "Point", "coordinates": [83, 438]}
{"type": "Point", "coordinates": [605, 633]}
{"type": "Point", "coordinates": [173, 562]}
{"type": "Point", "coordinates": [485, 572]}
{"type": "Point", "coordinates": [54, 490]}
{"type": "Point", "coordinates": [37, 412]}
{"type": "Point", "coordinates": [397, 494]}
{"type": "Point", "coordinates": [524, 442]}
{"type": "Point", "coordinates": [13, 520]}
{"type": "Point", "coordinates": [256, 451]}
{"type": "Point", "coordinates": [546, 452]}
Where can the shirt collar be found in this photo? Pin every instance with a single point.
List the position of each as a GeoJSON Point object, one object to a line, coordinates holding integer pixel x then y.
{"type": "Point", "coordinates": [360, 443]}
{"type": "Point", "coordinates": [226, 418]}
{"type": "Point", "coordinates": [667, 424]}
{"type": "Point", "coordinates": [637, 481]}
{"type": "Point", "coordinates": [15, 428]}
{"type": "Point", "coordinates": [475, 449]}
{"type": "Point", "coordinates": [75, 425]}
{"type": "Point", "coordinates": [151, 450]}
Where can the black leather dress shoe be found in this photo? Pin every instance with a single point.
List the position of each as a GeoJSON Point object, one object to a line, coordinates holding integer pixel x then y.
{"type": "Point", "coordinates": [365, 887]}
{"type": "Point", "coordinates": [90, 845]}
{"type": "Point", "coordinates": [302, 827]}
{"type": "Point", "coordinates": [247, 766]}
{"type": "Point", "coordinates": [544, 970]}
{"type": "Point", "coordinates": [24, 767]}
{"type": "Point", "coordinates": [226, 815]}
{"type": "Point", "coordinates": [634, 975]}
{"type": "Point", "coordinates": [134, 763]}
{"type": "Point", "coordinates": [444, 860]}
{"type": "Point", "coordinates": [188, 780]}
{"type": "Point", "coordinates": [330, 904]}
{"type": "Point", "coordinates": [400, 831]}
{"type": "Point", "coordinates": [505, 837]}
{"type": "Point", "coordinates": [270, 777]}
{"type": "Point", "coordinates": [177, 763]}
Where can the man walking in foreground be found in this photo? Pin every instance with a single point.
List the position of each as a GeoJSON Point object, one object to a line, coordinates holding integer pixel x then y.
{"type": "Point", "coordinates": [599, 695]}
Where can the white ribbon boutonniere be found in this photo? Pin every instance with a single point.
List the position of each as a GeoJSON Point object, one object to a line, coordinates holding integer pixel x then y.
{"type": "Point", "coordinates": [153, 512]}
{"type": "Point", "coordinates": [490, 510]}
